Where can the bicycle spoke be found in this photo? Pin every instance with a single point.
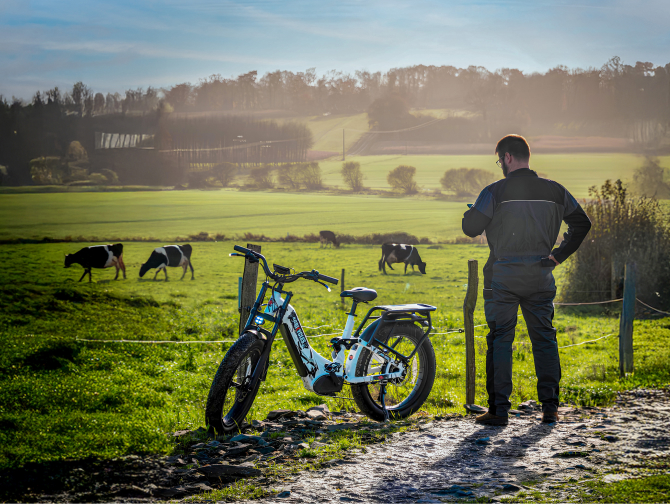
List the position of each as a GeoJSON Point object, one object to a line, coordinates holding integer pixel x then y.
{"type": "Point", "coordinates": [396, 393]}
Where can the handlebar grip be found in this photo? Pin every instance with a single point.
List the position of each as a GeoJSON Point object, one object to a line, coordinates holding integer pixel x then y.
{"type": "Point", "coordinates": [237, 248]}
{"type": "Point", "coordinates": [328, 279]}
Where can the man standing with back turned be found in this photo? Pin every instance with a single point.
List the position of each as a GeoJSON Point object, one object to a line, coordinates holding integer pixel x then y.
{"type": "Point", "coordinates": [522, 216]}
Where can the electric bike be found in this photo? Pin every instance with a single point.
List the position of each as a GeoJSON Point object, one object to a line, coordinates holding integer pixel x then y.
{"type": "Point", "coordinates": [388, 360]}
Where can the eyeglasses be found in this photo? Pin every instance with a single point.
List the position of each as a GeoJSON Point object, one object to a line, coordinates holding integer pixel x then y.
{"type": "Point", "coordinates": [499, 162]}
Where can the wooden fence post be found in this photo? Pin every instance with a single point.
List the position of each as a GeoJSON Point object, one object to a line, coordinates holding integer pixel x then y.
{"type": "Point", "coordinates": [469, 325]}
{"type": "Point", "coordinates": [626, 321]}
{"type": "Point", "coordinates": [342, 289]}
{"type": "Point", "coordinates": [249, 280]}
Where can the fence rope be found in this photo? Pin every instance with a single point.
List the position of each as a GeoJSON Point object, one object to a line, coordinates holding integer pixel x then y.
{"type": "Point", "coordinates": [613, 301]}
{"type": "Point", "coordinates": [591, 303]}
{"type": "Point", "coordinates": [460, 330]}
{"type": "Point", "coordinates": [589, 341]}
{"type": "Point", "coordinates": [651, 307]}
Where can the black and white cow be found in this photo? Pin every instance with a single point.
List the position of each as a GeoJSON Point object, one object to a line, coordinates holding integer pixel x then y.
{"type": "Point", "coordinates": [98, 256]}
{"type": "Point", "coordinates": [169, 255]}
{"type": "Point", "coordinates": [327, 237]}
{"type": "Point", "coordinates": [399, 252]}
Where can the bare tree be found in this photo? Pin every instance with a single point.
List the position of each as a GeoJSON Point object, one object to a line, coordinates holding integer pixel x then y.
{"type": "Point", "coordinates": [651, 181]}
{"type": "Point", "coordinates": [466, 181]}
{"type": "Point", "coordinates": [289, 175]}
{"type": "Point", "coordinates": [261, 178]}
{"type": "Point", "coordinates": [99, 102]}
{"type": "Point", "coordinates": [402, 179]}
{"type": "Point", "coordinates": [310, 176]}
{"type": "Point", "coordinates": [81, 96]}
{"type": "Point", "coordinates": [352, 175]}
{"type": "Point", "coordinates": [224, 172]}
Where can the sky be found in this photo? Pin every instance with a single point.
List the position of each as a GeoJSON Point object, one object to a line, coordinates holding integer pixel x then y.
{"type": "Point", "coordinates": [116, 45]}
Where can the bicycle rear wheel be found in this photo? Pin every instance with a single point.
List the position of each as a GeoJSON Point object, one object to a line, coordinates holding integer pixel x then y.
{"type": "Point", "coordinates": [407, 395]}
{"type": "Point", "coordinates": [228, 403]}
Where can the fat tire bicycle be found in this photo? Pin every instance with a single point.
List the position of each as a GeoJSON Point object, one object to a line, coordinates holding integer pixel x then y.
{"type": "Point", "coordinates": [389, 364]}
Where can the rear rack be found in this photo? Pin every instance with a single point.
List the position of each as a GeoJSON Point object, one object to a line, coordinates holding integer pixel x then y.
{"type": "Point", "coordinates": [391, 314]}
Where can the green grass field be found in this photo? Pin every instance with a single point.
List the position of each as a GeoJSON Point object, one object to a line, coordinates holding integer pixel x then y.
{"type": "Point", "coordinates": [165, 215]}
{"type": "Point", "coordinates": [168, 214]}
{"type": "Point", "coordinates": [63, 398]}
{"type": "Point", "coordinates": [577, 172]}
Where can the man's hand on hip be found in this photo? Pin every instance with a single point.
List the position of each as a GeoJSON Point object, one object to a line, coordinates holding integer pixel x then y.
{"type": "Point", "coordinates": [554, 259]}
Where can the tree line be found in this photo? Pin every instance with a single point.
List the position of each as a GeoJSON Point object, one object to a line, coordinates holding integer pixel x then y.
{"type": "Point", "coordinates": [614, 91]}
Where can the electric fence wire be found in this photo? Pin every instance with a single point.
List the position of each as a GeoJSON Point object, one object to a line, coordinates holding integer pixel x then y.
{"type": "Point", "coordinates": [589, 341]}
{"type": "Point", "coordinates": [590, 303]}
{"type": "Point", "coordinates": [651, 307]}
{"type": "Point", "coordinates": [613, 301]}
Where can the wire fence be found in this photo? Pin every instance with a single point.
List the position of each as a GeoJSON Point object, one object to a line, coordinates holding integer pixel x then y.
{"type": "Point", "coordinates": [340, 331]}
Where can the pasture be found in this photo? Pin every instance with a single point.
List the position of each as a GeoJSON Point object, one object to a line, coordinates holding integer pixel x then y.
{"type": "Point", "coordinates": [577, 172]}
{"type": "Point", "coordinates": [166, 215]}
{"type": "Point", "coordinates": [63, 398]}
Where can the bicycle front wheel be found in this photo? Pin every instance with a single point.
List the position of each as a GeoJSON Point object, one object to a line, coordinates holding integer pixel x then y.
{"type": "Point", "coordinates": [228, 402]}
{"type": "Point", "coordinates": [408, 394]}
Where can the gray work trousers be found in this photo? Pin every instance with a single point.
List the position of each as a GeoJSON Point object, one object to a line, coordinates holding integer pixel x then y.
{"type": "Point", "coordinates": [525, 282]}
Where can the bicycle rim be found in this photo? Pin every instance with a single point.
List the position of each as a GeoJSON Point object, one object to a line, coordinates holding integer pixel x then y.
{"type": "Point", "coordinates": [237, 403]}
{"type": "Point", "coordinates": [398, 394]}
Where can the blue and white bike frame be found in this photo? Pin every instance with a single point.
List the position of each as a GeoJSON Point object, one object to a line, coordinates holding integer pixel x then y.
{"type": "Point", "coordinates": [319, 374]}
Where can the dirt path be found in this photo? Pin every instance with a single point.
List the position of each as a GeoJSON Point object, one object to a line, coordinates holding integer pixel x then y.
{"type": "Point", "coordinates": [454, 459]}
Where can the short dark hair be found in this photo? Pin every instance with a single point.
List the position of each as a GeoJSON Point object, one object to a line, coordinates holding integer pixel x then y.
{"type": "Point", "coordinates": [515, 145]}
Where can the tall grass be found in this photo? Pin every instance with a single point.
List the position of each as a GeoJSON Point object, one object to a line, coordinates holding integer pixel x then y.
{"type": "Point", "coordinates": [624, 229]}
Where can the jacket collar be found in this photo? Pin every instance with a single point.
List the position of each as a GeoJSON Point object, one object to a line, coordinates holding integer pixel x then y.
{"type": "Point", "coordinates": [522, 172]}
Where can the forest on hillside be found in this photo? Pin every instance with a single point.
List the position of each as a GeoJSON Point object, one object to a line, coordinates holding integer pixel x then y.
{"type": "Point", "coordinates": [616, 100]}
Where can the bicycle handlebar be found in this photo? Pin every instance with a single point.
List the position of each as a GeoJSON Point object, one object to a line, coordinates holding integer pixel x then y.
{"type": "Point", "coordinates": [328, 279]}
{"type": "Point", "coordinates": [310, 275]}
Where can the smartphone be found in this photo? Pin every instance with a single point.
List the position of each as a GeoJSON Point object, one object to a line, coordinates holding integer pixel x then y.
{"type": "Point", "coordinates": [470, 205]}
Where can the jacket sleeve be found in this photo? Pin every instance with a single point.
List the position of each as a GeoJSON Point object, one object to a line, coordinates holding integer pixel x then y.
{"type": "Point", "coordinates": [478, 217]}
{"type": "Point", "coordinates": [579, 226]}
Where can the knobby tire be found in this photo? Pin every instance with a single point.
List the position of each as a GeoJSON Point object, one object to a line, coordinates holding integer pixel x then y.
{"type": "Point", "coordinates": [226, 406]}
{"type": "Point", "coordinates": [421, 369]}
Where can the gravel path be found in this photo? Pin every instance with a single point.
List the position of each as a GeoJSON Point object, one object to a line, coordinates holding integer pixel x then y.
{"type": "Point", "coordinates": [456, 458]}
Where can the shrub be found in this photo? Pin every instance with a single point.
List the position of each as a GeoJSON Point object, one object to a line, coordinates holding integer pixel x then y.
{"type": "Point", "coordinates": [649, 180]}
{"type": "Point", "coordinates": [97, 179]}
{"type": "Point", "coordinates": [224, 173]}
{"type": "Point", "coordinates": [260, 178]}
{"type": "Point", "coordinates": [623, 229]}
{"type": "Point", "coordinates": [352, 175]}
{"type": "Point", "coordinates": [310, 176]}
{"type": "Point", "coordinates": [197, 180]}
{"type": "Point", "coordinates": [401, 178]}
{"type": "Point", "coordinates": [76, 152]}
{"type": "Point", "coordinates": [110, 175]}
{"type": "Point", "coordinates": [466, 181]}
{"type": "Point", "coordinates": [47, 170]}
{"type": "Point", "coordinates": [289, 175]}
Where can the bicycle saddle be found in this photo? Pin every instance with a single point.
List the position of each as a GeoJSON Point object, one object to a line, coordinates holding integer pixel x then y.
{"type": "Point", "coordinates": [360, 294]}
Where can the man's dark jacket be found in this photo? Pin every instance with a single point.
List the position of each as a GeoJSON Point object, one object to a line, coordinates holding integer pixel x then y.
{"type": "Point", "coordinates": [522, 216]}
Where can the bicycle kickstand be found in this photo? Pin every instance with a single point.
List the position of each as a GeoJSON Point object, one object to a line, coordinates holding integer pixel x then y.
{"type": "Point", "coordinates": [383, 397]}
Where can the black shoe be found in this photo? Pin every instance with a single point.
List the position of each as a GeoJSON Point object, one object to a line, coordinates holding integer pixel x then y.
{"type": "Point", "coordinates": [491, 419]}
{"type": "Point", "coordinates": [550, 417]}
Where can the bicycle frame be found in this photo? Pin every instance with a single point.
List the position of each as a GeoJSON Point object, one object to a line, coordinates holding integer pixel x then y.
{"type": "Point", "coordinates": [319, 374]}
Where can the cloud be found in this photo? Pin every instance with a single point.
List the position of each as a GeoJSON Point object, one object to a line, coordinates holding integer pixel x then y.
{"type": "Point", "coordinates": [144, 42]}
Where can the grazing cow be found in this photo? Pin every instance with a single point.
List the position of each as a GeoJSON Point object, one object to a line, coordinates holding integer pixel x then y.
{"type": "Point", "coordinates": [170, 255]}
{"type": "Point", "coordinates": [328, 237]}
{"type": "Point", "coordinates": [397, 253]}
{"type": "Point", "coordinates": [98, 256]}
